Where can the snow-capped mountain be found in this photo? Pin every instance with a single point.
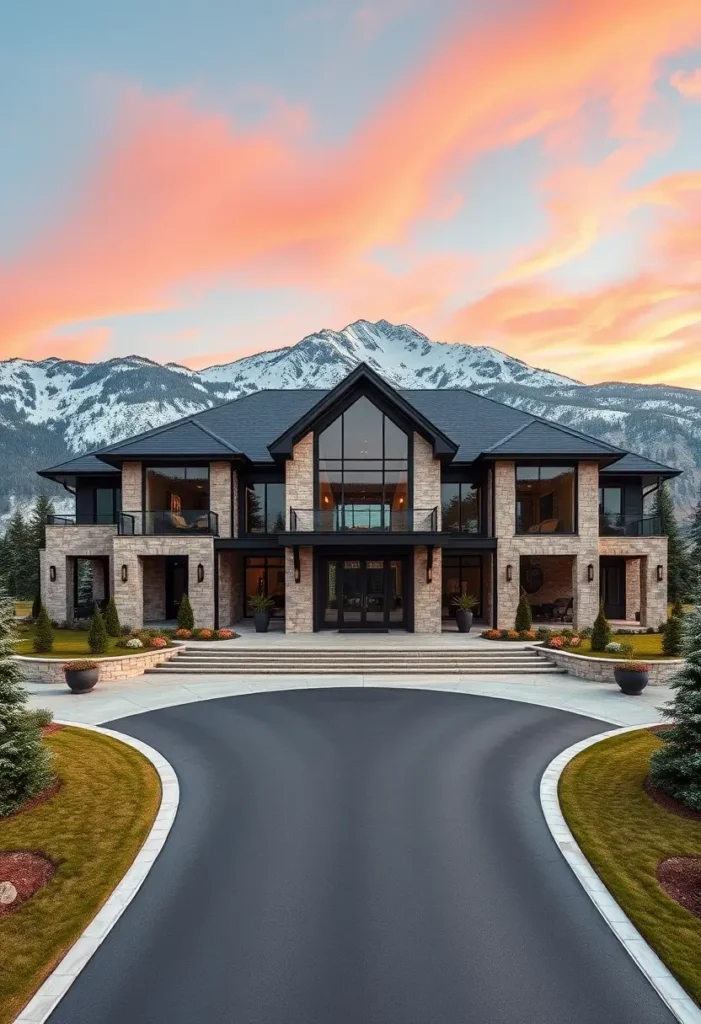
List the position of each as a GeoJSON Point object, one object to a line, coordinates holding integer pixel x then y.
{"type": "Point", "coordinates": [55, 408]}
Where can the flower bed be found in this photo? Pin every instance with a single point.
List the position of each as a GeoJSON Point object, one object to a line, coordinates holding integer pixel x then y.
{"type": "Point", "coordinates": [509, 634]}
{"type": "Point", "coordinates": [205, 634]}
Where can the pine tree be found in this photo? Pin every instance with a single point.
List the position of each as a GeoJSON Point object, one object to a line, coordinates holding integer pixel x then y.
{"type": "Point", "coordinates": [19, 558]}
{"type": "Point", "coordinates": [25, 764]}
{"type": "Point", "coordinates": [601, 633]}
{"type": "Point", "coordinates": [678, 574]}
{"type": "Point", "coordinates": [36, 536]}
{"type": "Point", "coordinates": [695, 552]}
{"type": "Point", "coordinates": [672, 639]}
{"type": "Point", "coordinates": [111, 617]}
{"type": "Point", "coordinates": [97, 634]}
{"type": "Point", "coordinates": [44, 634]}
{"type": "Point", "coordinates": [524, 615]}
{"type": "Point", "coordinates": [676, 766]}
{"type": "Point", "coordinates": [186, 619]}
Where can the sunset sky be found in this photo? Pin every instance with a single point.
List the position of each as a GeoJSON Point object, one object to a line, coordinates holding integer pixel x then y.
{"type": "Point", "coordinates": [196, 180]}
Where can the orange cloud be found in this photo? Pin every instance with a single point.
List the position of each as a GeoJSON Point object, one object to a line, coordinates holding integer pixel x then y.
{"type": "Point", "coordinates": [688, 83]}
{"type": "Point", "coordinates": [181, 196]}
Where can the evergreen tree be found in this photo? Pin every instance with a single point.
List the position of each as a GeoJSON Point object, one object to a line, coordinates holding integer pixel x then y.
{"type": "Point", "coordinates": [36, 535]}
{"type": "Point", "coordinates": [111, 617]}
{"type": "Point", "coordinates": [186, 619]}
{"type": "Point", "coordinates": [695, 553]}
{"type": "Point", "coordinates": [676, 766]}
{"type": "Point", "coordinates": [524, 615]}
{"type": "Point", "coordinates": [25, 764]}
{"type": "Point", "coordinates": [601, 633]}
{"type": "Point", "coordinates": [19, 557]}
{"type": "Point", "coordinates": [97, 634]}
{"type": "Point", "coordinates": [44, 633]}
{"type": "Point", "coordinates": [672, 638]}
{"type": "Point", "coordinates": [678, 575]}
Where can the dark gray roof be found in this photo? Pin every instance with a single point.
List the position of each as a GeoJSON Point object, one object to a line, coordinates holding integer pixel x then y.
{"type": "Point", "coordinates": [536, 437]}
{"type": "Point", "coordinates": [82, 465]}
{"type": "Point", "coordinates": [187, 437]}
{"type": "Point", "coordinates": [636, 464]}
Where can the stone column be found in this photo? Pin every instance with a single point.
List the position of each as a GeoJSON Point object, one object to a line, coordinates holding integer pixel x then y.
{"type": "Point", "coordinates": [129, 594]}
{"type": "Point", "coordinates": [427, 596]}
{"type": "Point", "coordinates": [632, 588]}
{"type": "Point", "coordinates": [299, 597]}
{"type": "Point", "coordinates": [220, 495]}
{"type": "Point", "coordinates": [653, 596]}
{"type": "Point", "coordinates": [299, 479]}
{"type": "Point", "coordinates": [132, 496]}
{"type": "Point", "coordinates": [586, 592]}
{"type": "Point", "coordinates": [427, 481]}
{"type": "Point", "coordinates": [236, 527]}
{"type": "Point", "coordinates": [230, 588]}
{"type": "Point", "coordinates": [202, 594]}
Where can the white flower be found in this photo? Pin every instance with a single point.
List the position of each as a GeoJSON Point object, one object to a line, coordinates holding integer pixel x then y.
{"type": "Point", "coordinates": [613, 646]}
{"type": "Point", "coordinates": [135, 642]}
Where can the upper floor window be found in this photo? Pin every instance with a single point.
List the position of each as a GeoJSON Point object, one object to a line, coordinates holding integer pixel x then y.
{"type": "Point", "coordinates": [461, 507]}
{"type": "Point", "coordinates": [363, 469]}
{"type": "Point", "coordinates": [265, 508]}
{"type": "Point", "coordinates": [545, 499]}
{"type": "Point", "coordinates": [177, 489]}
{"type": "Point", "coordinates": [108, 502]}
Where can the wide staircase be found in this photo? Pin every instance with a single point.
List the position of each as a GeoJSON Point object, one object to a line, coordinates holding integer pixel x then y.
{"type": "Point", "coordinates": [306, 661]}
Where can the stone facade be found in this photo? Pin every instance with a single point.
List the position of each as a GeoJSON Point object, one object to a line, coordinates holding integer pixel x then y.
{"type": "Point", "coordinates": [299, 597]}
{"type": "Point", "coordinates": [63, 545]}
{"type": "Point", "coordinates": [427, 596]}
{"type": "Point", "coordinates": [649, 552]}
{"type": "Point", "coordinates": [299, 479]}
{"type": "Point", "coordinates": [127, 666]}
{"type": "Point", "coordinates": [154, 577]}
{"type": "Point", "coordinates": [220, 495]}
{"type": "Point", "coordinates": [132, 489]}
{"type": "Point", "coordinates": [236, 528]}
{"type": "Point", "coordinates": [427, 481]}
{"type": "Point", "coordinates": [134, 552]}
{"type": "Point", "coordinates": [231, 594]}
{"type": "Point", "coordinates": [633, 590]}
{"type": "Point", "coordinates": [601, 669]}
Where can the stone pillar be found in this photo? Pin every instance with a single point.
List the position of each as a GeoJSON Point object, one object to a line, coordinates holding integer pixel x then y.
{"type": "Point", "coordinates": [129, 594]}
{"type": "Point", "coordinates": [132, 496]}
{"type": "Point", "coordinates": [586, 593]}
{"type": "Point", "coordinates": [427, 481]}
{"type": "Point", "coordinates": [220, 495]}
{"type": "Point", "coordinates": [427, 596]}
{"type": "Point", "coordinates": [299, 597]}
{"type": "Point", "coordinates": [299, 479]}
{"type": "Point", "coordinates": [202, 594]}
{"type": "Point", "coordinates": [653, 592]}
{"type": "Point", "coordinates": [632, 588]}
{"type": "Point", "coordinates": [230, 588]}
{"type": "Point", "coordinates": [236, 527]}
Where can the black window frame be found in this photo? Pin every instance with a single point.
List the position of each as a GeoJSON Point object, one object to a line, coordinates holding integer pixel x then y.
{"type": "Point", "coordinates": [545, 464]}
{"type": "Point", "coordinates": [243, 508]}
{"type": "Point", "coordinates": [475, 486]}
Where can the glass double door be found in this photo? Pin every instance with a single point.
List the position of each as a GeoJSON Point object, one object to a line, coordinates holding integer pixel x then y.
{"type": "Point", "coordinates": [363, 593]}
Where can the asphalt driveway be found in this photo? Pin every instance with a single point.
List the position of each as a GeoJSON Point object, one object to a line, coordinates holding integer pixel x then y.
{"type": "Point", "coordinates": [360, 856]}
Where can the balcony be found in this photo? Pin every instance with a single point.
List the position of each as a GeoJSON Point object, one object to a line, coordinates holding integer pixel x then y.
{"type": "Point", "coordinates": [613, 525]}
{"type": "Point", "coordinates": [89, 519]}
{"type": "Point", "coordinates": [364, 519]}
{"type": "Point", "coordinates": [160, 523]}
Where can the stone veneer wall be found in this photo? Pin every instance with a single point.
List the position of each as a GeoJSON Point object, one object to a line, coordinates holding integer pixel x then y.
{"type": "Point", "coordinates": [651, 552]}
{"type": "Point", "coordinates": [299, 477]}
{"type": "Point", "coordinates": [601, 669]}
{"type": "Point", "coordinates": [427, 596]}
{"type": "Point", "coordinates": [632, 588]}
{"type": "Point", "coordinates": [558, 572]}
{"type": "Point", "coordinates": [63, 545]}
{"type": "Point", "coordinates": [230, 588]}
{"type": "Point", "coordinates": [132, 492]}
{"type": "Point", "coordinates": [583, 546]}
{"type": "Point", "coordinates": [128, 666]}
{"type": "Point", "coordinates": [220, 495]}
{"type": "Point", "coordinates": [235, 527]}
{"type": "Point", "coordinates": [299, 597]}
{"type": "Point", "coordinates": [427, 480]}
{"type": "Point", "coordinates": [132, 551]}
{"type": "Point", "coordinates": [154, 577]}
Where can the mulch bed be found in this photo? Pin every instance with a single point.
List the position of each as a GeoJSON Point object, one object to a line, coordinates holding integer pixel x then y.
{"type": "Point", "coordinates": [28, 872]}
{"type": "Point", "coordinates": [680, 877]}
{"type": "Point", "coordinates": [670, 803]}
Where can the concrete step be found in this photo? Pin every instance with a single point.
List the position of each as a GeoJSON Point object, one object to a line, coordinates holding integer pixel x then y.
{"type": "Point", "coordinates": [252, 654]}
{"type": "Point", "coordinates": [171, 668]}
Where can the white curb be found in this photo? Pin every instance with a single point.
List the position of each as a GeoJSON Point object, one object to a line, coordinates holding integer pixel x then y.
{"type": "Point", "coordinates": [661, 979]}
{"type": "Point", "coordinates": [47, 997]}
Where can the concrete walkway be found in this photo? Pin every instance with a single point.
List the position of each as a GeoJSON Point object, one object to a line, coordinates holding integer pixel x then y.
{"type": "Point", "coordinates": [110, 701]}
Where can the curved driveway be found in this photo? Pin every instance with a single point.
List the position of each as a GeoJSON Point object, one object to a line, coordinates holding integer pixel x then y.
{"type": "Point", "coordinates": [348, 856]}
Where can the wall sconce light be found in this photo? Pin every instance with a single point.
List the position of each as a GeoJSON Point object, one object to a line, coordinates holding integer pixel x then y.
{"type": "Point", "coordinates": [660, 573]}
{"type": "Point", "coordinates": [125, 573]}
{"type": "Point", "coordinates": [509, 573]}
{"type": "Point", "coordinates": [52, 573]}
{"type": "Point", "coordinates": [590, 573]}
{"type": "Point", "coordinates": [295, 560]}
{"type": "Point", "coordinates": [200, 573]}
{"type": "Point", "coordinates": [429, 565]}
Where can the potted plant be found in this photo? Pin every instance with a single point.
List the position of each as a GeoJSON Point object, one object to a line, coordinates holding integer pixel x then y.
{"type": "Point", "coordinates": [262, 608]}
{"type": "Point", "coordinates": [81, 676]}
{"type": "Point", "coordinates": [464, 605]}
{"type": "Point", "coordinates": [632, 677]}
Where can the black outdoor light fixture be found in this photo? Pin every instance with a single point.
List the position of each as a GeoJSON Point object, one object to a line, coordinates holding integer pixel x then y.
{"type": "Point", "coordinates": [660, 573]}
{"type": "Point", "coordinates": [200, 573]}
{"type": "Point", "coordinates": [509, 573]}
{"type": "Point", "coordinates": [125, 573]}
{"type": "Point", "coordinates": [52, 573]}
{"type": "Point", "coordinates": [295, 561]}
{"type": "Point", "coordinates": [590, 573]}
{"type": "Point", "coordinates": [429, 564]}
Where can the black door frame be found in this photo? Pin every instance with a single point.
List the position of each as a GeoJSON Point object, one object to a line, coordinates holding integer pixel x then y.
{"type": "Point", "coordinates": [363, 556]}
{"type": "Point", "coordinates": [609, 564]}
{"type": "Point", "coordinates": [172, 562]}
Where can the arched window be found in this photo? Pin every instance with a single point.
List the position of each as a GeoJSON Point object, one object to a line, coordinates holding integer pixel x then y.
{"type": "Point", "coordinates": [363, 470]}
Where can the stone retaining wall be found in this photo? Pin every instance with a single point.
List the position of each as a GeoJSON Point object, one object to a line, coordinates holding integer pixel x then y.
{"type": "Point", "coordinates": [127, 666]}
{"type": "Point", "coordinates": [601, 669]}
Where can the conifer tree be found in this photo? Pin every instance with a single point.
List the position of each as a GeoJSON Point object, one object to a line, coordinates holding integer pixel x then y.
{"type": "Point", "coordinates": [25, 763]}
{"type": "Point", "coordinates": [524, 614]}
{"type": "Point", "coordinates": [672, 638]}
{"type": "Point", "coordinates": [19, 557]}
{"type": "Point", "coordinates": [695, 553]}
{"type": "Point", "coordinates": [676, 766]}
{"type": "Point", "coordinates": [678, 581]}
{"type": "Point", "coordinates": [111, 617]}
{"type": "Point", "coordinates": [44, 633]}
{"type": "Point", "coordinates": [186, 618]}
{"type": "Point", "coordinates": [97, 634]}
{"type": "Point", "coordinates": [36, 537]}
{"type": "Point", "coordinates": [601, 633]}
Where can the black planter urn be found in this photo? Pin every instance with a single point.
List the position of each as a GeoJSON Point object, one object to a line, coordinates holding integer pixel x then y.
{"type": "Point", "coordinates": [261, 620]}
{"type": "Point", "coordinates": [631, 683]}
{"type": "Point", "coordinates": [464, 620]}
{"type": "Point", "coordinates": [83, 680]}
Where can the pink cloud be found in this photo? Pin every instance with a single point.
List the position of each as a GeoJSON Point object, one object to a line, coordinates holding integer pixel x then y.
{"type": "Point", "coordinates": [688, 83]}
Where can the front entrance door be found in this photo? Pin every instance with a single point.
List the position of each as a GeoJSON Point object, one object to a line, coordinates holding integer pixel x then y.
{"type": "Point", "coordinates": [176, 584]}
{"type": "Point", "coordinates": [612, 575]}
{"type": "Point", "coordinates": [363, 593]}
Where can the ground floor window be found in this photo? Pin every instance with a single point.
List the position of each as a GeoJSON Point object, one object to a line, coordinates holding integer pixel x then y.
{"type": "Point", "coordinates": [462, 574]}
{"type": "Point", "coordinates": [265, 575]}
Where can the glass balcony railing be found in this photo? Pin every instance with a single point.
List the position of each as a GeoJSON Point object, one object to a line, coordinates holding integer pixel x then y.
{"type": "Point", "coordinates": [364, 518]}
{"type": "Point", "coordinates": [163, 522]}
{"type": "Point", "coordinates": [88, 519]}
{"type": "Point", "coordinates": [618, 525]}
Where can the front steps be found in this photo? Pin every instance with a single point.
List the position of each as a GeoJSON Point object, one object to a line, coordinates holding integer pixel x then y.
{"type": "Point", "coordinates": [310, 661]}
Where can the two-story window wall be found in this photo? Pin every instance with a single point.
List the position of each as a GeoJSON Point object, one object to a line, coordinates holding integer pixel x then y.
{"type": "Point", "coordinates": [264, 508]}
{"type": "Point", "coordinates": [461, 507]}
{"type": "Point", "coordinates": [545, 499]}
{"type": "Point", "coordinates": [363, 470]}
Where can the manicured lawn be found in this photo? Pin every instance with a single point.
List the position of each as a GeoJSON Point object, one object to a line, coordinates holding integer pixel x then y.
{"type": "Point", "coordinates": [23, 608]}
{"type": "Point", "coordinates": [68, 643]}
{"type": "Point", "coordinates": [91, 829]}
{"type": "Point", "coordinates": [645, 645]}
{"type": "Point", "coordinates": [626, 835]}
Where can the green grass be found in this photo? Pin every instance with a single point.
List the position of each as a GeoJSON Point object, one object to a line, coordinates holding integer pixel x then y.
{"type": "Point", "coordinates": [68, 643]}
{"type": "Point", "coordinates": [23, 608]}
{"type": "Point", "coordinates": [92, 828]}
{"type": "Point", "coordinates": [645, 645]}
{"type": "Point", "coordinates": [625, 835]}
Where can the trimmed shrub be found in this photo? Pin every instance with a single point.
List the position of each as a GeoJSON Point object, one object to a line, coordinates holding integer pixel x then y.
{"type": "Point", "coordinates": [97, 634]}
{"type": "Point", "coordinates": [111, 618]}
{"type": "Point", "coordinates": [36, 606]}
{"type": "Point", "coordinates": [673, 637]}
{"type": "Point", "coordinates": [43, 717]}
{"type": "Point", "coordinates": [524, 615]}
{"type": "Point", "coordinates": [44, 635]}
{"type": "Point", "coordinates": [186, 619]}
{"type": "Point", "coordinates": [601, 633]}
